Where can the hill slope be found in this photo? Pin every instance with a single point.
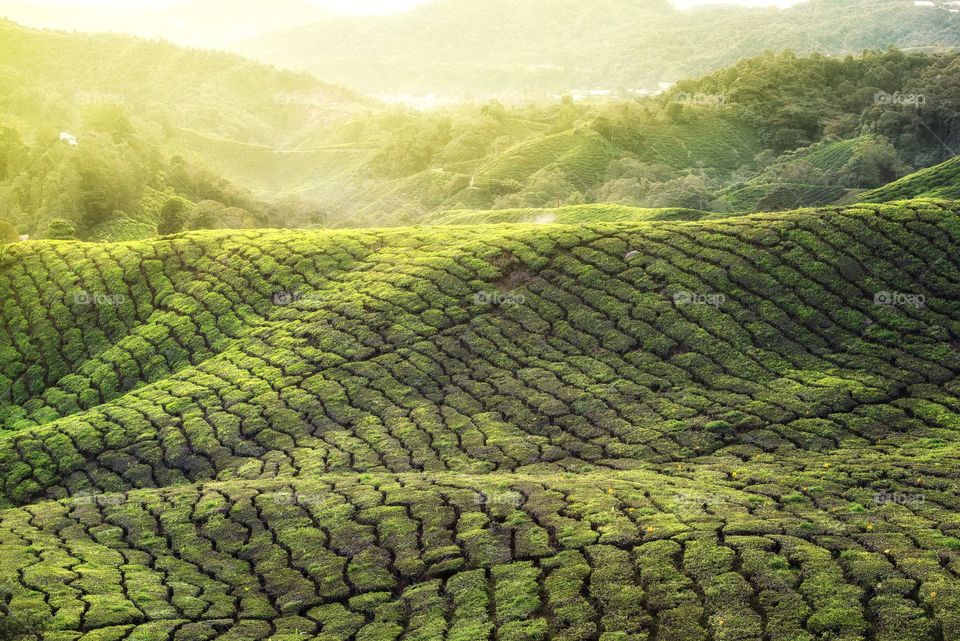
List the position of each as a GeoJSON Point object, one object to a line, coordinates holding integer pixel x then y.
{"type": "Point", "coordinates": [145, 120]}
{"type": "Point", "coordinates": [939, 181]}
{"type": "Point", "coordinates": [674, 430]}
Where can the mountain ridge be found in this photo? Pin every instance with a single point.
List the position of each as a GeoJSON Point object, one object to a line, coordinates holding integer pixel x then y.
{"type": "Point", "coordinates": [538, 47]}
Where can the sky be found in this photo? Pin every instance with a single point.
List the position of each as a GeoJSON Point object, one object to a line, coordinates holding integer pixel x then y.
{"type": "Point", "coordinates": [369, 7]}
{"type": "Point", "coordinates": [341, 6]}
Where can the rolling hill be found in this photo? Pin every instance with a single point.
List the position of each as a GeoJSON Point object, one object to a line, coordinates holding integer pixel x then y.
{"type": "Point", "coordinates": [810, 176]}
{"type": "Point", "coordinates": [939, 181]}
{"type": "Point", "coordinates": [520, 48]}
{"type": "Point", "coordinates": [239, 143]}
{"type": "Point", "coordinates": [741, 428]}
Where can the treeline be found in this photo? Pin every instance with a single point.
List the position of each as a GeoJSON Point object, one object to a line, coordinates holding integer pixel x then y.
{"type": "Point", "coordinates": [112, 182]}
{"type": "Point", "coordinates": [777, 131]}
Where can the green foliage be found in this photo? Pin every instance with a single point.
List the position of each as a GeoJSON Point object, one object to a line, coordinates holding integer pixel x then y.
{"type": "Point", "coordinates": [563, 215]}
{"type": "Point", "coordinates": [747, 138]}
{"type": "Point", "coordinates": [125, 146]}
{"type": "Point", "coordinates": [16, 625]}
{"type": "Point", "coordinates": [773, 132]}
{"type": "Point", "coordinates": [173, 217]}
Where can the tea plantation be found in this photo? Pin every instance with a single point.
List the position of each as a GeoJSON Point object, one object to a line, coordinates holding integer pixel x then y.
{"type": "Point", "coordinates": [735, 429]}
{"type": "Point", "coordinates": [939, 181]}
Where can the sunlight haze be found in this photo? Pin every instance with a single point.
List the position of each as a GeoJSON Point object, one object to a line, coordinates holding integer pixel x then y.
{"type": "Point", "coordinates": [220, 24]}
{"type": "Point", "coordinates": [366, 7]}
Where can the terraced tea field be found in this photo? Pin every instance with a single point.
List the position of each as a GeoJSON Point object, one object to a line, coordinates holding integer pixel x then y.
{"type": "Point", "coordinates": [939, 181]}
{"type": "Point", "coordinates": [735, 429]}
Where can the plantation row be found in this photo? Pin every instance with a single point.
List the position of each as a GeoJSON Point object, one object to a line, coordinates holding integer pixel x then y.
{"type": "Point", "coordinates": [452, 349]}
{"type": "Point", "coordinates": [633, 555]}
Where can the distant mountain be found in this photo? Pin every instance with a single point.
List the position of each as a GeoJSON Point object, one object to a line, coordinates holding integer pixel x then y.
{"type": "Point", "coordinates": [214, 92]}
{"type": "Point", "coordinates": [484, 47]}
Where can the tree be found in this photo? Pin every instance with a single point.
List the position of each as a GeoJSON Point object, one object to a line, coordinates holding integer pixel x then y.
{"type": "Point", "coordinates": [173, 217]}
{"type": "Point", "coordinates": [549, 188]}
{"type": "Point", "coordinates": [10, 147]}
{"type": "Point", "coordinates": [61, 229]}
{"type": "Point", "coordinates": [110, 119]}
{"type": "Point", "coordinates": [627, 191]}
{"type": "Point", "coordinates": [208, 214]}
{"type": "Point", "coordinates": [797, 172]}
{"type": "Point", "coordinates": [8, 233]}
{"type": "Point", "coordinates": [875, 163]}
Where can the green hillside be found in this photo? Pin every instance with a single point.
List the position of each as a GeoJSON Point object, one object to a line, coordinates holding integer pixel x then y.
{"type": "Point", "coordinates": [746, 428]}
{"type": "Point", "coordinates": [309, 172]}
{"type": "Point", "coordinates": [774, 132]}
{"type": "Point", "coordinates": [827, 172]}
{"type": "Point", "coordinates": [939, 181]}
{"type": "Point", "coordinates": [94, 127]}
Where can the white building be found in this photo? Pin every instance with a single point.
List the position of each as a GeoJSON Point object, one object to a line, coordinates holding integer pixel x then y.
{"type": "Point", "coordinates": [68, 138]}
